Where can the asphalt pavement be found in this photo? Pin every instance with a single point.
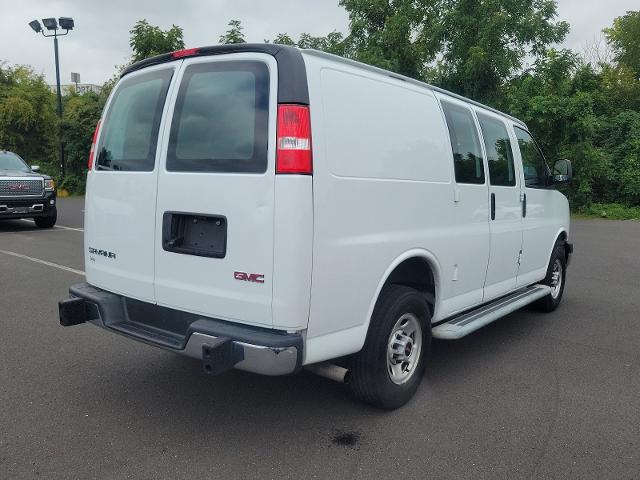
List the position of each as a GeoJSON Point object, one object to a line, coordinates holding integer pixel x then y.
{"type": "Point", "coordinates": [530, 396]}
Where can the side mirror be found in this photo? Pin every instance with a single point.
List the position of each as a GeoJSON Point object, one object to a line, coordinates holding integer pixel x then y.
{"type": "Point", "coordinates": [35, 168]}
{"type": "Point", "coordinates": [562, 171]}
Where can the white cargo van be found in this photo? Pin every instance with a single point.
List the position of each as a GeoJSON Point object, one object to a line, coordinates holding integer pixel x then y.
{"type": "Point", "coordinates": [265, 208]}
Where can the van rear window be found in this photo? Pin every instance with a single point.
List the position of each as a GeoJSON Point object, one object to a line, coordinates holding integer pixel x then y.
{"type": "Point", "coordinates": [220, 123]}
{"type": "Point", "coordinates": [130, 129]}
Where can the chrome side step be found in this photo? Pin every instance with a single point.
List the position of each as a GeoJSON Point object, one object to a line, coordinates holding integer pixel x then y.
{"type": "Point", "coordinates": [464, 324]}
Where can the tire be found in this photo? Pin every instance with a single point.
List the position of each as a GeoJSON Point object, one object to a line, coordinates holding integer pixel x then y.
{"type": "Point", "coordinates": [47, 222]}
{"type": "Point", "coordinates": [378, 375]}
{"type": "Point", "coordinates": [556, 279]}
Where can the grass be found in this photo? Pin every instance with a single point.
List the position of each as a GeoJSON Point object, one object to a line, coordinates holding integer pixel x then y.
{"type": "Point", "coordinates": [612, 211]}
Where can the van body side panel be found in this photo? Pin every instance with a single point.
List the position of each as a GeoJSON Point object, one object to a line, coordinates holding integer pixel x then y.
{"type": "Point", "coordinates": [381, 186]}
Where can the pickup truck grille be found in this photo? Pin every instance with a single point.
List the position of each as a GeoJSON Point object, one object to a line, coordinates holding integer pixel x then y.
{"type": "Point", "coordinates": [21, 187]}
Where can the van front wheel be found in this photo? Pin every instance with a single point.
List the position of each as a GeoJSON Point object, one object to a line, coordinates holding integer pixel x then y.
{"type": "Point", "coordinates": [555, 279]}
{"type": "Point", "coordinates": [387, 371]}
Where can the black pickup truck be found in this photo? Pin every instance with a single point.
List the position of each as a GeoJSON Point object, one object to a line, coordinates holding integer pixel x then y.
{"type": "Point", "coordinates": [24, 193]}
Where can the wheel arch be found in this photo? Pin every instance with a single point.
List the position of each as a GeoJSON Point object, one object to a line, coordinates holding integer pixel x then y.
{"type": "Point", "coordinates": [415, 268]}
{"type": "Point", "coordinates": [561, 236]}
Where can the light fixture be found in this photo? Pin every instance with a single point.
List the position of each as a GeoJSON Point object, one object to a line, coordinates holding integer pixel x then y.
{"type": "Point", "coordinates": [35, 24]}
{"type": "Point", "coordinates": [50, 23]}
{"type": "Point", "coordinates": [66, 23]}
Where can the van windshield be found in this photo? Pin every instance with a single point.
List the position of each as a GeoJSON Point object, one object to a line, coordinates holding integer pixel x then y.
{"type": "Point", "coordinates": [221, 119]}
{"type": "Point", "coordinates": [130, 129]}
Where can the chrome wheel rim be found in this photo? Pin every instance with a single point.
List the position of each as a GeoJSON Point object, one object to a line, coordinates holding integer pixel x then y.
{"type": "Point", "coordinates": [556, 278]}
{"type": "Point", "coordinates": [404, 348]}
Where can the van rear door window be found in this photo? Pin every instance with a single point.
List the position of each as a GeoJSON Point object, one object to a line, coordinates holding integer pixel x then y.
{"type": "Point", "coordinates": [130, 128]}
{"type": "Point", "coordinates": [221, 119]}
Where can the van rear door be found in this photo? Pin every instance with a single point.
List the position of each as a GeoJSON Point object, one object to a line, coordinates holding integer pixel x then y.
{"type": "Point", "coordinates": [214, 220]}
{"type": "Point", "coordinates": [121, 187]}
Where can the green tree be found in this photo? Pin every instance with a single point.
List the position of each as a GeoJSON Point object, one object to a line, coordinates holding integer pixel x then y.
{"type": "Point", "coordinates": [624, 37]}
{"type": "Point", "coordinates": [283, 39]}
{"type": "Point", "coordinates": [483, 43]}
{"type": "Point", "coordinates": [332, 43]}
{"type": "Point", "coordinates": [589, 117]}
{"type": "Point", "coordinates": [382, 32]}
{"type": "Point", "coordinates": [148, 40]}
{"type": "Point", "coordinates": [28, 123]}
{"type": "Point", "coordinates": [81, 113]}
{"type": "Point", "coordinates": [467, 46]}
{"type": "Point", "coordinates": [234, 34]}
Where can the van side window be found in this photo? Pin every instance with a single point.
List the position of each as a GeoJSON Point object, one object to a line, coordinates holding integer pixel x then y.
{"type": "Point", "coordinates": [220, 123]}
{"type": "Point", "coordinates": [467, 154]}
{"type": "Point", "coordinates": [533, 163]}
{"type": "Point", "coordinates": [130, 128]}
{"type": "Point", "coordinates": [499, 153]}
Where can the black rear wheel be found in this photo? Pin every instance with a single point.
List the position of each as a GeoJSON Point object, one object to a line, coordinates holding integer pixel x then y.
{"type": "Point", "coordinates": [387, 371]}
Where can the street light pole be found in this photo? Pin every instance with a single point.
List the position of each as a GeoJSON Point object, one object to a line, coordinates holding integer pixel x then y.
{"type": "Point", "coordinates": [51, 24]}
{"type": "Point", "coordinates": [55, 48]}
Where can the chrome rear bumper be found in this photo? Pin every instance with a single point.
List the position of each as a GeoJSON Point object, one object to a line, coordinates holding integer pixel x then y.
{"type": "Point", "coordinates": [220, 345]}
{"type": "Point", "coordinates": [257, 358]}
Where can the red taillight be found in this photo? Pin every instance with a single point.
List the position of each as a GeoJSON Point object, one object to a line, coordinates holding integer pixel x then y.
{"type": "Point", "coordinates": [187, 52]}
{"type": "Point", "coordinates": [293, 152]}
{"type": "Point", "coordinates": [92, 152]}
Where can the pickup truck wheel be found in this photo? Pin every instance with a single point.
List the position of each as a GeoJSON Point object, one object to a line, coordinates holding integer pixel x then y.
{"type": "Point", "coordinates": [388, 370]}
{"type": "Point", "coordinates": [47, 222]}
{"type": "Point", "coordinates": [556, 279]}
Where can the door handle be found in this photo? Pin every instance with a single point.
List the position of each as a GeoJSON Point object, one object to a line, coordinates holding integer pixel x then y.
{"type": "Point", "coordinates": [493, 206]}
{"type": "Point", "coordinates": [524, 205]}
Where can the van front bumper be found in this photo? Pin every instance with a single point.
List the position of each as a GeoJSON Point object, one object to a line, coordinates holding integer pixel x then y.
{"type": "Point", "coordinates": [219, 344]}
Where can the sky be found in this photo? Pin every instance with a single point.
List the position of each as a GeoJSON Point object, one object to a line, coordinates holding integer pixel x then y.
{"type": "Point", "coordinates": [100, 40]}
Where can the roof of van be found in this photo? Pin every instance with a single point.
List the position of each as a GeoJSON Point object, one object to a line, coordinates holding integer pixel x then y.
{"type": "Point", "coordinates": [371, 68]}
{"type": "Point", "coordinates": [292, 85]}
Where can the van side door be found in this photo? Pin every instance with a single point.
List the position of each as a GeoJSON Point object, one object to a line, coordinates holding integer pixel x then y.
{"type": "Point", "coordinates": [504, 203]}
{"type": "Point", "coordinates": [469, 221]}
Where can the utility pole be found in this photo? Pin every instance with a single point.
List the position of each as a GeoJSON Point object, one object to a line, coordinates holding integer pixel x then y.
{"type": "Point", "coordinates": [51, 24]}
{"type": "Point", "coordinates": [55, 48]}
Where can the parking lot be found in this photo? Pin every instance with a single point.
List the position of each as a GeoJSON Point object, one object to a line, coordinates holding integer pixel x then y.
{"type": "Point", "coordinates": [530, 396]}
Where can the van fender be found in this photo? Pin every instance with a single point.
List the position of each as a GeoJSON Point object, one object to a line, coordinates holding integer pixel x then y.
{"type": "Point", "coordinates": [413, 253]}
{"type": "Point", "coordinates": [561, 231]}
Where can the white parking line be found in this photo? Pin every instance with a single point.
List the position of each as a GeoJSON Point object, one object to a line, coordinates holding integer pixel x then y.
{"type": "Point", "coordinates": [43, 262]}
{"type": "Point", "coordinates": [69, 228]}
{"type": "Point", "coordinates": [62, 227]}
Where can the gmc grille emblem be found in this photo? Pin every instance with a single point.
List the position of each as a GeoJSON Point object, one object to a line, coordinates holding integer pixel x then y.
{"type": "Point", "coordinates": [249, 277]}
{"type": "Point", "coordinates": [18, 187]}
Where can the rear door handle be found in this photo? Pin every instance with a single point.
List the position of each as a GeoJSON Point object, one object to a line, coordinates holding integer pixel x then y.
{"type": "Point", "coordinates": [493, 206]}
{"type": "Point", "coordinates": [524, 205]}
